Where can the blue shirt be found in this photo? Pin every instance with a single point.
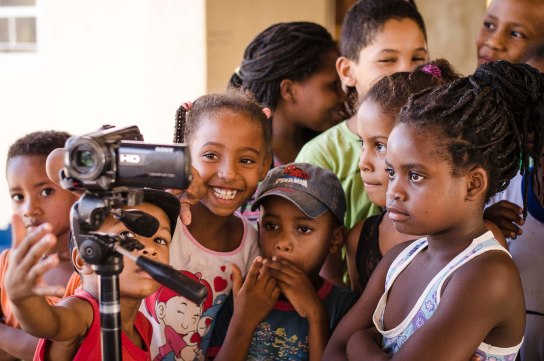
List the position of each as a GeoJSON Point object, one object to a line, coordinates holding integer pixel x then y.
{"type": "Point", "coordinates": [283, 335]}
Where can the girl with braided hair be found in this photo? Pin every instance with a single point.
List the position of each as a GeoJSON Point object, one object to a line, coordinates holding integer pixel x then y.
{"type": "Point", "coordinates": [374, 236]}
{"type": "Point", "coordinates": [291, 69]}
{"type": "Point", "coordinates": [455, 292]}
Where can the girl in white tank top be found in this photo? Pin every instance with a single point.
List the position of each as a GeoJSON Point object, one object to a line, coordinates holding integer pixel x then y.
{"type": "Point", "coordinates": [456, 293]}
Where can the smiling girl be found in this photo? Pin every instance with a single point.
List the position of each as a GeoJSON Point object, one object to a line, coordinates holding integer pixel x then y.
{"type": "Point", "coordinates": [229, 140]}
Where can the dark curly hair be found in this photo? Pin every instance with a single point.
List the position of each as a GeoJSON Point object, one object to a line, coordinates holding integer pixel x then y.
{"type": "Point", "coordinates": [283, 51]}
{"type": "Point", "coordinates": [391, 92]}
{"type": "Point", "coordinates": [38, 143]}
{"type": "Point", "coordinates": [484, 120]}
{"type": "Point", "coordinates": [233, 99]}
{"type": "Point", "coordinates": [366, 18]}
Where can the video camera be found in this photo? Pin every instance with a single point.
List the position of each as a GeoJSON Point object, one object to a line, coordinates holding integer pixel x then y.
{"type": "Point", "coordinates": [112, 157]}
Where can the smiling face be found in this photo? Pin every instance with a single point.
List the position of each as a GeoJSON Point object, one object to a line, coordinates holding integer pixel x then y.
{"type": "Point", "coordinates": [35, 198]}
{"type": "Point", "coordinates": [133, 282]}
{"type": "Point", "coordinates": [182, 314]}
{"type": "Point", "coordinates": [509, 28]}
{"type": "Point", "coordinates": [423, 196]}
{"type": "Point", "coordinates": [228, 150]}
{"type": "Point", "coordinates": [373, 128]}
{"type": "Point", "coordinates": [319, 99]}
{"type": "Point", "coordinates": [288, 233]}
{"type": "Point", "coordinates": [399, 46]}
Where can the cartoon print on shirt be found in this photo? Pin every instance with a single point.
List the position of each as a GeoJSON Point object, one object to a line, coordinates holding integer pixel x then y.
{"type": "Point", "coordinates": [183, 323]}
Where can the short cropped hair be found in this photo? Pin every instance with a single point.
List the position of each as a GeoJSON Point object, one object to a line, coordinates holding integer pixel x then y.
{"type": "Point", "coordinates": [38, 143]}
{"type": "Point", "coordinates": [366, 18]}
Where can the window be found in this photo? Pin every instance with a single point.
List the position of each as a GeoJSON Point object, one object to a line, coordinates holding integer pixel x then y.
{"type": "Point", "coordinates": [18, 30]}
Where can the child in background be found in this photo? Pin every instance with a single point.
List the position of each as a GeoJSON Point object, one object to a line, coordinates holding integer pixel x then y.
{"type": "Point", "coordinates": [36, 200]}
{"type": "Point", "coordinates": [302, 215]}
{"type": "Point", "coordinates": [71, 329]}
{"type": "Point", "coordinates": [526, 245]}
{"type": "Point", "coordinates": [230, 144]}
{"type": "Point", "coordinates": [456, 292]}
{"type": "Point", "coordinates": [510, 27]}
{"type": "Point", "coordinates": [372, 238]}
{"type": "Point", "coordinates": [378, 37]}
{"type": "Point", "coordinates": [290, 68]}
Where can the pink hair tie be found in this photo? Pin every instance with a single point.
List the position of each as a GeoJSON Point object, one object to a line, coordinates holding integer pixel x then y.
{"type": "Point", "coordinates": [267, 112]}
{"type": "Point", "coordinates": [187, 106]}
{"type": "Point", "coordinates": [433, 70]}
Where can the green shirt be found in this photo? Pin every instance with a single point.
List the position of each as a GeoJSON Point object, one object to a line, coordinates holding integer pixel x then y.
{"type": "Point", "coordinates": [338, 150]}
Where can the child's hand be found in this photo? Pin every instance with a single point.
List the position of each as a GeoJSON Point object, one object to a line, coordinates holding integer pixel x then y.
{"type": "Point", "coordinates": [255, 297]}
{"type": "Point", "coordinates": [23, 277]}
{"type": "Point", "coordinates": [190, 196]}
{"type": "Point", "coordinates": [506, 215]}
{"type": "Point", "coordinates": [295, 284]}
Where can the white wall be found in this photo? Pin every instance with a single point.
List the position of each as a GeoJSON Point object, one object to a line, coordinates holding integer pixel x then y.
{"type": "Point", "coordinates": [233, 24]}
{"type": "Point", "coordinates": [118, 62]}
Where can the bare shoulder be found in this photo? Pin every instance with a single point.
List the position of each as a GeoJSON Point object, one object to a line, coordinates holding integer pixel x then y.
{"type": "Point", "coordinates": [493, 270]}
{"type": "Point", "coordinates": [81, 309]}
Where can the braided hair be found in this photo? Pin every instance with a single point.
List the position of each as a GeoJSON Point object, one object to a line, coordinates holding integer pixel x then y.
{"type": "Point", "coordinates": [484, 121]}
{"type": "Point", "coordinates": [366, 18]}
{"type": "Point", "coordinates": [233, 99]}
{"type": "Point", "coordinates": [283, 51]}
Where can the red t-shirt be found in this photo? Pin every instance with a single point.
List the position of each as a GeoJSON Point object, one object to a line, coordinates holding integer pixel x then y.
{"type": "Point", "coordinates": [91, 349]}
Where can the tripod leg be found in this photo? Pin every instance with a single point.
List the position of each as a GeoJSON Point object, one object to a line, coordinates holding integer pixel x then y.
{"type": "Point", "coordinates": [110, 318]}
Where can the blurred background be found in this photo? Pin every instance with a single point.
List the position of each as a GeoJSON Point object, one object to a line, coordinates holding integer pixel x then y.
{"type": "Point", "coordinates": [75, 65]}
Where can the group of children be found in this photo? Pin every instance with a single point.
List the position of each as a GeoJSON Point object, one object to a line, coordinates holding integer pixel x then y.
{"type": "Point", "coordinates": [401, 183]}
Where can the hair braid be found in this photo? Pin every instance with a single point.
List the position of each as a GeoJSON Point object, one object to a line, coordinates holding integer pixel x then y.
{"type": "Point", "coordinates": [485, 120]}
{"type": "Point", "coordinates": [283, 51]}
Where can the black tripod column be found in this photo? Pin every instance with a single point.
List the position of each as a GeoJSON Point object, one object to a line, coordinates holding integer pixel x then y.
{"type": "Point", "coordinates": [110, 308]}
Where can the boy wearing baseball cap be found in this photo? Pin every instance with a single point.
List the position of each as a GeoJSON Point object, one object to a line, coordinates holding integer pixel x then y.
{"type": "Point", "coordinates": [284, 310]}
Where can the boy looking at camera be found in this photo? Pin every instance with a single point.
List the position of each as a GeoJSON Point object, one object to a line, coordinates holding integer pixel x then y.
{"type": "Point", "coordinates": [284, 308]}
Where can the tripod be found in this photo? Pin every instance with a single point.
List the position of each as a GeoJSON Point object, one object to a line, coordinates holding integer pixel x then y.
{"type": "Point", "coordinates": [105, 251]}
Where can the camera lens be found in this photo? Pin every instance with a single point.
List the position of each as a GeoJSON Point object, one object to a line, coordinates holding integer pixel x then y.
{"type": "Point", "coordinates": [85, 158]}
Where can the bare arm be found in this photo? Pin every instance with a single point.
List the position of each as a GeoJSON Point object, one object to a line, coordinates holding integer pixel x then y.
{"type": "Point", "coordinates": [16, 344]}
{"type": "Point", "coordinates": [332, 269]}
{"type": "Point", "coordinates": [351, 251]}
{"type": "Point", "coordinates": [360, 316]}
{"type": "Point", "coordinates": [480, 296]}
{"type": "Point", "coordinates": [26, 289]}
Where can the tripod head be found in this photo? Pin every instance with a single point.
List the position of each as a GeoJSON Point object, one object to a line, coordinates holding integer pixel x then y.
{"type": "Point", "coordinates": [102, 250]}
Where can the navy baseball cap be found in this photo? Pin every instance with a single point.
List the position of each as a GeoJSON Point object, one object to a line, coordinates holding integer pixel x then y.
{"type": "Point", "coordinates": [314, 190]}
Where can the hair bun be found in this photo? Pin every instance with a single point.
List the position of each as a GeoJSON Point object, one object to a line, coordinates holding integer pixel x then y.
{"type": "Point", "coordinates": [519, 84]}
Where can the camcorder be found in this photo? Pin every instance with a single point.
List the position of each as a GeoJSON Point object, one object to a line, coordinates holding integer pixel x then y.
{"type": "Point", "coordinates": [112, 165]}
{"type": "Point", "coordinates": [113, 157]}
